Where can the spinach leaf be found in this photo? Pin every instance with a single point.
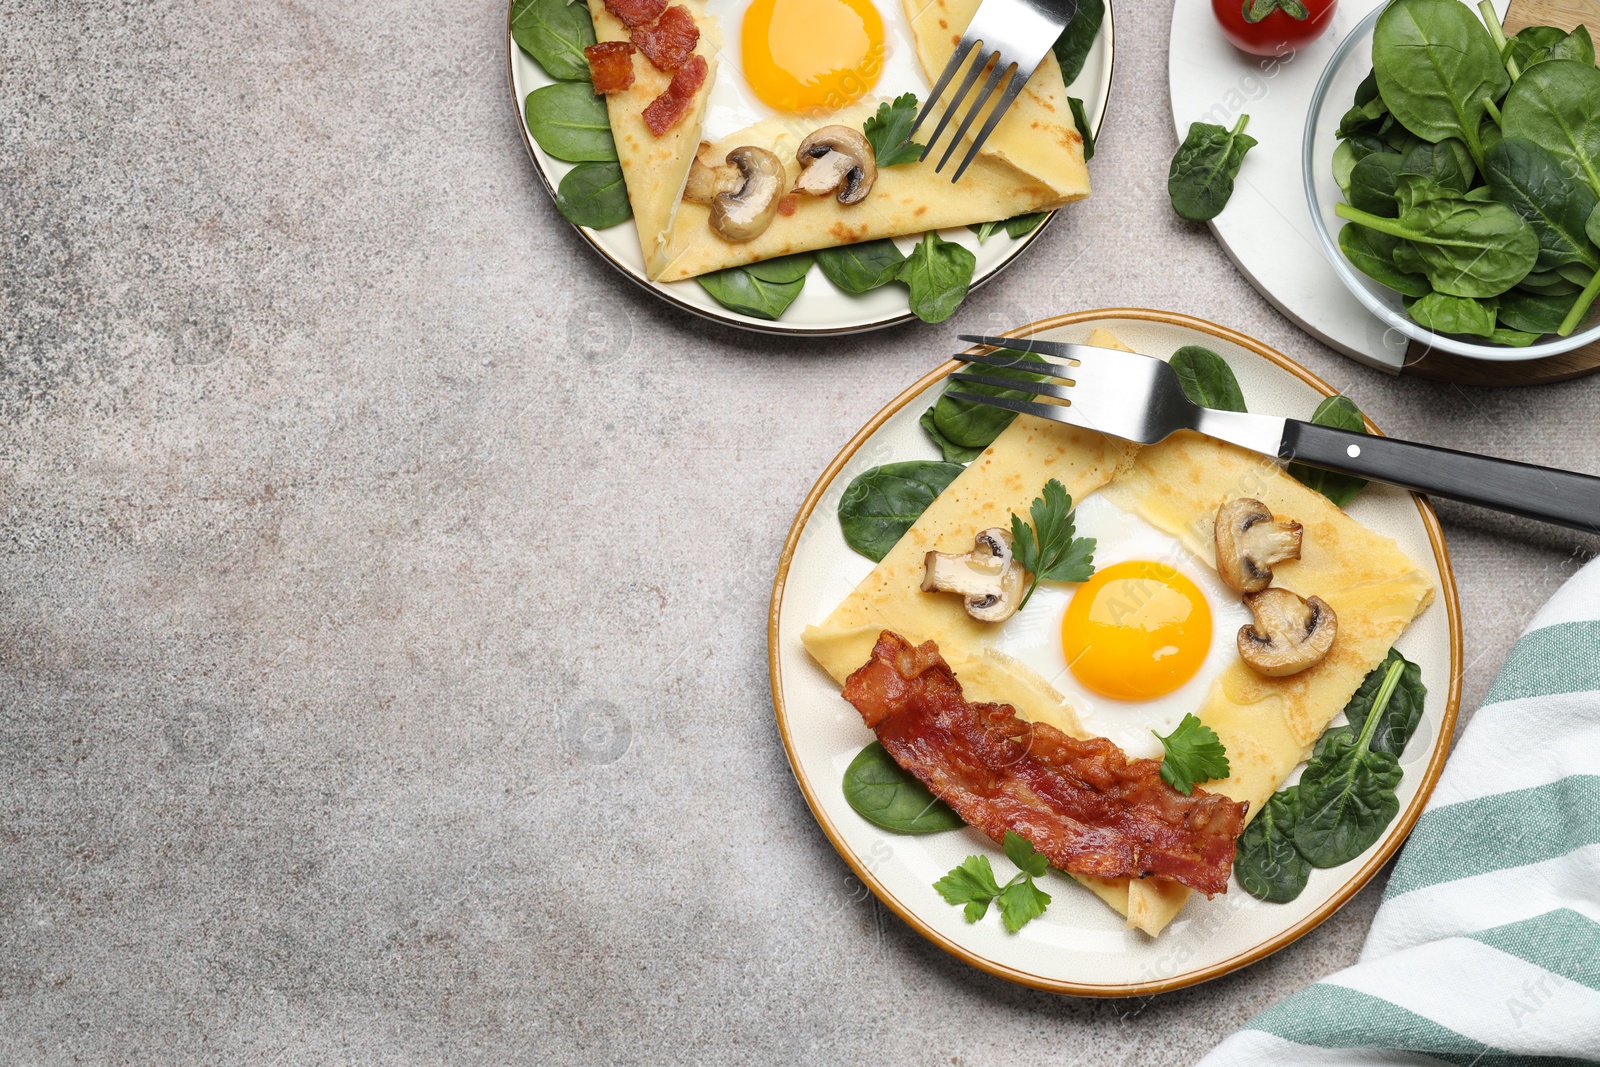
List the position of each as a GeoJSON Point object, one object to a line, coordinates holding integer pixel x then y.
{"type": "Point", "coordinates": [1022, 225]}
{"type": "Point", "coordinates": [1206, 378]}
{"type": "Point", "coordinates": [985, 230]}
{"type": "Point", "coordinates": [1372, 253]}
{"type": "Point", "coordinates": [1347, 793]}
{"type": "Point", "coordinates": [1528, 179]}
{"type": "Point", "coordinates": [1532, 313]}
{"type": "Point", "coordinates": [1200, 180]}
{"type": "Point", "coordinates": [1436, 67]}
{"type": "Point", "coordinates": [1373, 183]}
{"type": "Point", "coordinates": [861, 268]}
{"type": "Point", "coordinates": [952, 452]}
{"type": "Point", "coordinates": [1556, 105]}
{"type": "Point", "coordinates": [1453, 314]}
{"type": "Point", "coordinates": [594, 195]}
{"type": "Point", "coordinates": [1072, 47]}
{"type": "Point", "coordinates": [1268, 865]}
{"type": "Point", "coordinates": [782, 269]}
{"type": "Point", "coordinates": [1513, 338]}
{"type": "Point", "coordinates": [1341, 413]}
{"type": "Point", "coordinates": [555, 33]}
{"type": "Point", "coordinates": [1081, 121]}
{"type": "Point", "coordinates": [881, 504]}
{"type": "Point", "coordinates": [762, 290]}
{"type": "Point", "coordinates": [1447, 164]}
{"type": "Point", "coordinates": [569, 122]}
{"type": "Point", "coordinates": [1349, 153]}
{"type": "Point", "coordinates": [1363, 117]}
{"type": "Point", "coordinates": [888, 129]}
{"type": "Point", "coordinates": [1538, 44]}
{"type": "Point", "coordinates": [884, 794]}
{"type": "Point", "coordinates": [971, 426]}
{"type": "Point", "coordinates": [939, 273]}
{"type": "Point", "coordinates": [1549, 283]}
{"type": "Point", "coordinates": [1467, 247]}
{"type": "Point", "coordinates": [1586, 299]}
{"type": "Point", "coordinates": [1398, 719]}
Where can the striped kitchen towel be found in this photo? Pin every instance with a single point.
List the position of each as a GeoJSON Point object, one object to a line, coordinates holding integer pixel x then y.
{"type": "Point", "coordinates": [1486, 948]}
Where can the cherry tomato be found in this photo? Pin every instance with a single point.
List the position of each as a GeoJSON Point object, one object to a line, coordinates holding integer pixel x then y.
{"type": "Point", "coordinates": [1270, 27]}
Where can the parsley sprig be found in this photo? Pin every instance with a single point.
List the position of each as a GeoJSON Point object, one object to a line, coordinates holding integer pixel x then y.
{"type": "Point", "coordinates": [973, 884]}
{"type": "Point", "coordinates": [1048, 550]}
{"type": "Point", "coordinates": [1194, 753]}
{"type": "Point", "coordinates": [888, 129]}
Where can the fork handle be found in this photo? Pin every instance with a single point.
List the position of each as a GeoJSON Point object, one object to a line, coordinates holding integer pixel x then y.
{"type": "Point", "coordinates": [1544, 493]}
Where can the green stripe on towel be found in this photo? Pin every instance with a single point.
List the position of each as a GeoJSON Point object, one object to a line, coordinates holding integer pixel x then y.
{"type": "Point", "coordinates": [1497, 832]}
{"type": "Point", "coordinates": [1564, 658]}
{"type": "Point", "coordinates": [1561, 941]}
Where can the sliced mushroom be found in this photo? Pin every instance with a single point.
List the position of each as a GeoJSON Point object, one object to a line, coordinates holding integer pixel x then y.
{"type": "Point", "coordinates": [837, 158]}
{"type": "Point", "coordinates": [745, 213]}
{"type": "Point", "coordinates": [708, 179]}
{"type": "Point", "coordinates": [1250, 541]}
{"type": "Point", "coordinates": [1289, 634]}
{"type": "Point", "coordinates": [988, 577]}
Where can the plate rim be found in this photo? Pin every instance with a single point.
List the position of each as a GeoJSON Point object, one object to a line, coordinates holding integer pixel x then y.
{"type": "Point", "coordinates": [1407, 819]}
{"type": "Point", "coordinates": [777, 327]}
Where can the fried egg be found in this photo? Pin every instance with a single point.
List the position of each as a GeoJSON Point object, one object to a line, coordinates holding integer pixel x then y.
{"type": "Point", "coordinates": [1138, 645]}
{"type": "Point", "coordinates": [807, 59]}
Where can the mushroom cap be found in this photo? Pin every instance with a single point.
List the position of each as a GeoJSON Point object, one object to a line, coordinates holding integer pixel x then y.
{"type": "Point", "coordinates": [707, 179]}
{"type": "Point", "coordinates": [1289, 635]}
{"type": "Point", "coordinates": [1249, 541]}
{"type": "Point", "coordinates": [988, 577]}
{"type": "Point", "coordinates": [846, 161]}
{"type": "Point", "coordinates": [745, 214]}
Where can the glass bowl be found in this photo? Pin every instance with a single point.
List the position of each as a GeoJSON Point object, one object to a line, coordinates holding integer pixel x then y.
{"type": "Point", "coordinates": [1334, 94]}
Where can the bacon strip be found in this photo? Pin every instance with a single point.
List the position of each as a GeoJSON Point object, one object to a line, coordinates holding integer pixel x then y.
{"type": "Point", "coordinates": [669, 43]}
{"type": "Point", "coordinates": [610, 66]}
{"type": "Point", "coordinates": [668, 109]}
{"type": "Point", "coordinates": [636, 12]}
{"type": "Point", "coordinates": [1084, 804]}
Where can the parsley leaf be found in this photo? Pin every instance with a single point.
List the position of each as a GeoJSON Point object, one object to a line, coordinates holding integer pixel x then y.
{"type": "Point", "coordinates": [1020, 902]}
{"type": "Point", "coordinates": [973, 884]}
{"type": "Point", "coordinates": [1048, 550]}
{"type": "Point", "coordinates": [888, 129]}
{"type": "Point", "coordinates": [1194, 754]}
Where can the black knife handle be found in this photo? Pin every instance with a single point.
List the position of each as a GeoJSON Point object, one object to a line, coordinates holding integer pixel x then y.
{"type": "Point", "coordinates": [1562, 497]}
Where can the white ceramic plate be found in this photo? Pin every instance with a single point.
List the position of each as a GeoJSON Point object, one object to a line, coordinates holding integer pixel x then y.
{"type": "Point", "coordinates": [821, 308]}
{"type": "Point", "coordinates": [1266, 228]}
{"type": "Point", "coordinates": [1079, 945]}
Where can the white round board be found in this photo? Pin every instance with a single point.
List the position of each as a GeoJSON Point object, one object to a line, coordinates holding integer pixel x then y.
{"type": "Point", "coordinates": [821, 308]}
{"type": "Point", "coordinates": [1080, 945]}
{"type": "Point", "coordinates": [1266, 227]}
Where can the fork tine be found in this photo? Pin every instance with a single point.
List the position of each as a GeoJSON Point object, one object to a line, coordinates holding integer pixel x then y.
{"type": "Point", "coordinates": [1001, 66]}
{"type": "Point", "coordinates": [1022, 344]}
{"type": "Point", "coordinates": [1007, 95]}
{"type": "Point", "coordinates": [955, 101]}
{"type": "Point", "coordinates": [1053, 412]}
{"type": "Point", "coordinates": [1030, 365]}
{"type": "Point", "coordinates": [957, 58]}
{"type": "Point", "coordinates": [1060, 392]}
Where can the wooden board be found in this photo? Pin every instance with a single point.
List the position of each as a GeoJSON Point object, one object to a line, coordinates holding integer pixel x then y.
{"type": "Point", "coordinates": [1442, 366]}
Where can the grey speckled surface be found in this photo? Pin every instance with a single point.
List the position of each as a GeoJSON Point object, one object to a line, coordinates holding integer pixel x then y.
{"type": "Point", "coordinates": [383, 647]}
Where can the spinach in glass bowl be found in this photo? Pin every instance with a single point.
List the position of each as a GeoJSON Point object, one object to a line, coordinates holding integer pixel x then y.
{"type": "Point", "coordinates": [1456, 185]}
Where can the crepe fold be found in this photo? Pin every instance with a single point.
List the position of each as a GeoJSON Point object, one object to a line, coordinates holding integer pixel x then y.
{"type": "Point", "coordinates": [1268, 725]}
{"type": "Point", "coordinates": [1033, 161]}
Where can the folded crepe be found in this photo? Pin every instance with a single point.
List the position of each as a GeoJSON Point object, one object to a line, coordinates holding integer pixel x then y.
{"type": "Point", "coordinates": [1033, 160]}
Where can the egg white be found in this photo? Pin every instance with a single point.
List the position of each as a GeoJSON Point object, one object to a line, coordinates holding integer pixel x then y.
{"type": "Point", "coordinates": [734, 106]}
{"type": "Point", "coordinates": [1033, 636]}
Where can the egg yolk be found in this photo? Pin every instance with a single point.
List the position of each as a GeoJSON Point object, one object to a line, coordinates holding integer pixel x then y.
{"type": "Point", "coordinates": [1136, 630]}
{"type": "Point", "coordinates": [812, 55]}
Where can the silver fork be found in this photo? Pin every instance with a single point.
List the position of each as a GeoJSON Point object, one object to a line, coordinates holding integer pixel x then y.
{"type": "Point", "coordinates": [1015, 35]}
{"type": "Point", "coordinates": [1139, 398]}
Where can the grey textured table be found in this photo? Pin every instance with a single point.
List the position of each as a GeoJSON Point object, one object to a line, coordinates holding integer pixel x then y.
{"type": "Point", "coordinates": [383, 617]}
